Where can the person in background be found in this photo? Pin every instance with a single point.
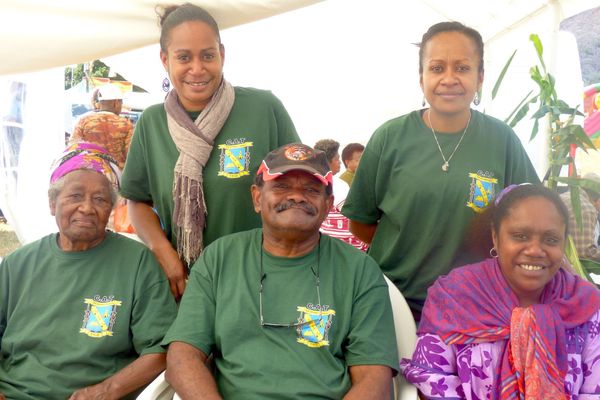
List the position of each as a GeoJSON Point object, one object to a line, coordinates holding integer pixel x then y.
{"type": "Point", "coordinates": [82, 311]}
{"type": "Point", "coordinates": [104, 126]}
{"type": "Point", "coordinates": [285, 310]}
{"type": "Point", "coordinates": [188, 171]}
{"type": "Point", "coordinates": [516, 325]}
{"type": "Point", "coordinates": [351, 157]}
{"type": "Point", "coordinates": [424, 176]}
{"type": "Point", "coordinates": [585, 237]}
{"type": "Point", "coordinates": [336, 225]}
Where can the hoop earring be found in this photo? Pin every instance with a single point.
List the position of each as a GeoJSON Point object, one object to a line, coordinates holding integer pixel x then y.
{"type": "Point", "coordinates": [476, 99]}
{"type": "Point", "coordinates": [493, 252]}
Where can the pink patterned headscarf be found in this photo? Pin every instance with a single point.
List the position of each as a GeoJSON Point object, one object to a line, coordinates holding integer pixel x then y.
{"type": "Point", "coordinates": [88, 156]}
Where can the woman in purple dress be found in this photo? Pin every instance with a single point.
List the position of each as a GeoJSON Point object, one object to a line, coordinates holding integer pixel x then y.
{"type": "Point", "coordinates": [516, 325]}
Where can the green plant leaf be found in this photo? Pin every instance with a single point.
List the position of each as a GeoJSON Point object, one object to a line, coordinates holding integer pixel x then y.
{"type": "Point", "coordinates": [501, 76]}
{"type": "Point", "coordinates": [576, 205]}
{"type": "Point", "coordinates": [539, 49]}
{"type": "Point", "coordinates": [521, 113]}
{"type": "Point", "coordinates": [525, 100]}
{"type": "Point", "coordinates": [535, 129]}
{"type": "Point", "coordinates": [543, 110]}
{"type": "Point", "coordinates": [580, 134]}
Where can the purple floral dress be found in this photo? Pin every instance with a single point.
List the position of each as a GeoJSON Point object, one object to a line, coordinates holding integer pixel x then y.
{"type": "Point", "coordinates": [468, 371]}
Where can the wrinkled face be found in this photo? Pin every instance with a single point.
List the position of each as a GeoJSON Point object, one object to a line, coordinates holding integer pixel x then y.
{"type": "Point", "coordinates": [194, 62]}
{"type": "Point", "coordinates": [530, 245]}
{"type": "Point", "coordinates": [335, 164]}
{"type": "Point", "coordinates": [451, 74]}
{"type": "Point", "coordinates": [353, 162]}
{"type": "Point", "coordinates": [294, 202]}
{"type": "Point", "coordinates": [81, 209]}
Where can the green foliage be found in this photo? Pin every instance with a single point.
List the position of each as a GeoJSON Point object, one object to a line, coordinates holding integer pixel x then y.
{"type": "Point", "coordinates": [563, 133]}
{"type": "Point", "coordinates": [74, 75]}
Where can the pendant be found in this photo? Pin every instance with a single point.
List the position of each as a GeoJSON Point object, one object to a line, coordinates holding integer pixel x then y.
{"type": "Point", "coordinates": [445, 166]}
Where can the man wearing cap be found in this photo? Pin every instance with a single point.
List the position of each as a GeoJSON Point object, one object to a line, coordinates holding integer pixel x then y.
{"type": "Point", "coordinates": [82, 311]}
{"type": "Point", "coordinates": [285, 311]}
{"type": "Point", "coordinates": [585, 236]}
{"type": "Point", "coordinates": [105, 126]}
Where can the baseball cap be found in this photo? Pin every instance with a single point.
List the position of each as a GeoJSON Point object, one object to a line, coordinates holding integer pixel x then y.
{"type": "Point", "coordinates": [296, 157]}
{"type": "Point", "coordinates": [109, 92]}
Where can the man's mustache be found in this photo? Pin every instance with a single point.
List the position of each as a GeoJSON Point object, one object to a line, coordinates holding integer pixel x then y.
{"type": "Point", "coordinates": [286, 205]}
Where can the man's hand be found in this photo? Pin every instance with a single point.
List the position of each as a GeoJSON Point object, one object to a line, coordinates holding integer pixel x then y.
{"type": "Point", "coordinates": [96, 392]}
{"type": "Point", "coordinates": [2, 397]}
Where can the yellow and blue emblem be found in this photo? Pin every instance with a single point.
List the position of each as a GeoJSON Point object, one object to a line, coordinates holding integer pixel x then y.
{"type": "Point", "coordinates": [314, 332]}
{"type": "Point", "coordinates": [100, 315]}
{"type": "Point", "coordinates": [235, 160]}
{"type": "Point", "coordinates": [483, 190]}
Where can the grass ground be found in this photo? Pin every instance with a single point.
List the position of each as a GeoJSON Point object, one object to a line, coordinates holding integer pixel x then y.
{"type": "Point", "coordinates": [8, 240]}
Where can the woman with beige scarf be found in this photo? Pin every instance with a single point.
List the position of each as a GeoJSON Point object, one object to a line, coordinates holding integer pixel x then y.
{"type": "Point", "coordinates": [191, 161]}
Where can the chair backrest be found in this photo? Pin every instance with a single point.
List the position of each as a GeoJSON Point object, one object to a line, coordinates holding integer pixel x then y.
{"type": "Point", "coordinates": [158, 389]}
{"type": "Point", "coordinates": [406, 339]}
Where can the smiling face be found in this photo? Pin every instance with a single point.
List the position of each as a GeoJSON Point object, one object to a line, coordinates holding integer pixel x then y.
{"type": "Point", "coordinates": [451, 75]}
{"type": "Point", "coordinates": [194, 61]}
{"type": "Point", "coordinates": [82, 208]}
{"type": "Point", "coordinates": [294, 203]}
{"type": "Point", "coordinates": [530, 243]}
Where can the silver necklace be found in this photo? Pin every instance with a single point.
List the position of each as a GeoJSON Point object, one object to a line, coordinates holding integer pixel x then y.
{"type": "Point", "coordinates": [446, 164]}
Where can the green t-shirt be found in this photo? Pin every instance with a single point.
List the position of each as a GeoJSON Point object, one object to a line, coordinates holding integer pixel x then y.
{"type": "Point", "coordinates": [220, 312]}
{"type": "Point", "coordinates": [423, 212]}
{"type": "Point", "coordinates": [71, 319]}
{"type": "Point", "coordinates": [257, 124]}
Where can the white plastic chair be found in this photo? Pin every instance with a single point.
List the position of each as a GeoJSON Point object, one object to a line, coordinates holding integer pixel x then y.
{"type": "Point", "coordinates": [406, 340]}
{"type": "Point", "coordinates": [159, 389]}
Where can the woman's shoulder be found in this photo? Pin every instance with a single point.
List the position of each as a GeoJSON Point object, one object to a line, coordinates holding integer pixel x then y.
{"type": "Point", "coordinates": [254, 94]}
{"type": "Point", "coordinates": [492, 125]}
{"type": "Point", "coordinates": [403, 125]}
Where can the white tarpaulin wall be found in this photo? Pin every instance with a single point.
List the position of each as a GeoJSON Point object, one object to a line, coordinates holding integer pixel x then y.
{"type": "Point", "coordinates": [341, 67]}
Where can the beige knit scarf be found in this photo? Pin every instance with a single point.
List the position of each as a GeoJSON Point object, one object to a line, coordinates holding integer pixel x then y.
{"type": "Point", "coordinates": [194, 140]}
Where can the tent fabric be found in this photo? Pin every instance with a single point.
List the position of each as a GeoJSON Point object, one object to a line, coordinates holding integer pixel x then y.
{"type": "Point", "coordinates": [41, 34]}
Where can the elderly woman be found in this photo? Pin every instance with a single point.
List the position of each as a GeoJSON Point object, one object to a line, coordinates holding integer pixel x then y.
{"type": "Point", "coordinates": [82, 311]}
{"type": "Point", "coordinates": [516, 325]}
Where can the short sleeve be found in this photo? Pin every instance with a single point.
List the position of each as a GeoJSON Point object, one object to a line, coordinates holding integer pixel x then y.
{"type": "Point", "coordinates": [135, 183]}
{"type": "Point", "coordinates": [285, 126]}
{"type": "Point", "coordinates": [154, 309]}
{"type": "Point", "coordinates": [371, 339]}
{"type": "Point", "coordinates": [361, 203]}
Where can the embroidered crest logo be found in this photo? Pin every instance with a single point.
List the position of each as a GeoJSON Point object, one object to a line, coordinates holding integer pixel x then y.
{"type": "Point", "coordinates": [483, 190]}
{"type": "Point", "coordinates": [100, 316]}
{"type": "Point", "coordinates": [315, 330]}
{"type": "Point", "coordinates": [235, 159]}
{"type": "Point", "coordinates": [297, 153]}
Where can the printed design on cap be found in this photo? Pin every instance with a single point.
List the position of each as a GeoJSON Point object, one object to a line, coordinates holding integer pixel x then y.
{"type": "Point", "coordinates": [315, 332]}
{"type": "Point", "coordinates": [298, 153]}
{"type": "Point", "coordinates": [482, 190]}
{"type": "Point", "coordinates": [100, 316]}
{"type": "Point", "coordinates": [234, 160]}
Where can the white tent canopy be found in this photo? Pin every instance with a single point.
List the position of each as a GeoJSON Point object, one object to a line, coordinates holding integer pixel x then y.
{"type": "Point", "coordinates": [40, 34]}
{"type": "Point", "coordinates": [341, 67]}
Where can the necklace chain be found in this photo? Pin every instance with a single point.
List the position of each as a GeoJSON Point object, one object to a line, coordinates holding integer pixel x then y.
{"type": "Point", "coordinates": [446, 164]}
